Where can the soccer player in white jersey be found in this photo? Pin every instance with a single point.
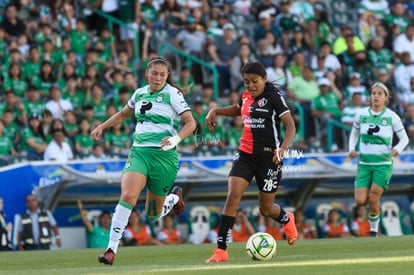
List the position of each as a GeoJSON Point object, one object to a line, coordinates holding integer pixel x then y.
{"type": "Point", "coordinates": [152, 161]}
{"type": "Point", "coordinates": [375, 126]}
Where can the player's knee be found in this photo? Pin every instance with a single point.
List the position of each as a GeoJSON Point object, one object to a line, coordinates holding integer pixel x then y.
{"type": "Point", "coordinates": [266, 212]}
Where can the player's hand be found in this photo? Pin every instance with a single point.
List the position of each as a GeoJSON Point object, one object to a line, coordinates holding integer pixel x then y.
{"type": "Point", "coordinates": [168, 143]}
{"type": "Point", "coordinates": [352, 154]}
{"type": "Point", "coordinates": [278, 155]}
{"type": "Point", "coordinates": [211, 120]}
{"type": "Point", "coordinates": [394, 152]}
{"type": "Point", "coordinates": [96, 134]}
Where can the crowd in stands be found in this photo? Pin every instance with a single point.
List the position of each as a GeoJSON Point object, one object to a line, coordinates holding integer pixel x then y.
{"type": "Point", "coordinates": [65, 69]}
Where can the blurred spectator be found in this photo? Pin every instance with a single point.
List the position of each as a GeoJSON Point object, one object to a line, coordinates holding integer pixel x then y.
{"type": "Point", "coordinates": [32, 103]}
{"type": "Point", "coordinates": [242, 228]}
{"type": "Point", "coordinates": [403, 73]}
{"type": "Point", "coordinates": [379, 56]}
{"type": "Point", "coordinates": [80, 39]}
{"type": "Point", "coordinates": [286, 21]}
{"type": "Point", "coordinates": [360, 224]}
{"type": "Point", "coordinates": [129, 11]}
{"type": "Point", "coordinates": [268, 225]}
{"type": "Point", "coordinates": [273, 43]}
{"type": "Point", "coordinates": [305, 230]}
{"type": "Point", "coordinates": [169, 234]}
{"type": "Point", "coordinates": [352, 108]}
{"type": "Point", "coordinates": [98, 102]}
{"type": "Point", "coordinates": [33, 141]}
{"type": "Point", "coordinates": [303, 90]}
{"type": "Point", "coordinates": [83, 139]}
{"type": "Point", "coordinates": [186, 81]}
{"type": "Point", "coordinates": [45, 79]}
{"type": "Point", "coordinates": [278, 73]}
{"type": "Point", "coordinates": [409, 121]}
{"type": "Point", "coordinates": [407, 98]}
{"type": "Point", "coordinates": [331, 61]}
{"type": "Point", "coordinates": [298, 64]}
{"type": "Point", "coordinates": [265, 25]}
{"type": "Point", "coordinates": [172, 15]}
{"type": "Point", "coordinates": [36, 226]}
{"type": "Point", "coordinates": [334, 228]}
{"type": "Point", "coordinates": [263, 54]}
{"type": "Point", "coordinates": [71, 125]}
{"type": "Point", "coordinates": [404, 42]}
{"type": "Point", "coordinates": [15, 107]}
{"type": "Point", "coordinates": [366, 25]}
{"type": "Point", "coordinates": [268, 7]}
{"type": "Point", "coordinates": [57, 105]}
{"type": "Point", "coordinates": [234, 133]}
{"type": "Point", "coordinates": [340, 45]}
{"type": "Point", "coordinates": [115, 79]}
{"type": "Point", "coordinates": [6, 146]}
{"type": "Point", "coordinates": [245, 56]}
{"type": "Point", "coordinates": [12, 25]}
{"type": "Point", "coordinates": [326, 106]}
{"type": "Point", "coordinates": [298, 43]}
{"type": "Point", "coordinates": [190, 39]}
{"type": "Point", "coordinates": [15, 81]}
{"type": "Point", "coordinates": [11, 129]}
{"type": "Point", "coordinates": [137, 233]}
{"type": "Point", "coordinates": [46, 122]}
{"type": "Point", "coordinates": [397, 16]}
{"type": "Point", "coordinates": [117, 141]}
{"type": "Point", "coordinates": [222, 51]}
{"type": "Point", "coordinates": [353, 85]}
{"type": "Point", "coordinates": [361, 65]}
{"type": "Point", "coordinates": [73, 93]}
{"type": "Point", "coordinates": [97, 153]}
{"type": "Point", "coordinates": [379, 8]}
{"type": "Point", "coordinates": [58, 149]}
{"type": "Point", "coordinates": [5, 244]}
{"type": "Point", "coordinates": [97, 236]}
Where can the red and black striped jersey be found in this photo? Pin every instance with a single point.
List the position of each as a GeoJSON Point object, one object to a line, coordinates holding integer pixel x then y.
{"type": "Point", "coordinates": [261, 119]}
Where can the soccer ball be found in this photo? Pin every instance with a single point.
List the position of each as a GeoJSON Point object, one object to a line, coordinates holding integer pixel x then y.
{"type": "Point", "coordinates": [261, 246]}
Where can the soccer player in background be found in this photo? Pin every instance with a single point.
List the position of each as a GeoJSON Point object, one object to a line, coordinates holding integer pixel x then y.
{"type": "Point", "coordinates": [374, 127]}
{"type": "Point", "coordinates": [152, 161]}
{"type": "Point", "coordinates": [260, 153]}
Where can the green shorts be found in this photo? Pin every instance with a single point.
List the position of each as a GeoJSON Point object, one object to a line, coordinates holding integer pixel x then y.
{"type": "Point", "coordinates": [160, 167]}
{"type": "Point", "coordinates": [368, 174]}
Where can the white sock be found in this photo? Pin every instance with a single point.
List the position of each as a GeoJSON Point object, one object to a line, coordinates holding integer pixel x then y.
{"type": "Point", "coordinates": [374, 222]}
{"type": "Point", "coordinates": [118, 224]}
{"type": "Point", "coordinates": [169, 203]}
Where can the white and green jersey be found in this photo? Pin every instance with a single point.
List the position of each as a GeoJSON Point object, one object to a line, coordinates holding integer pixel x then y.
{"type": "Point", "coordinates": [157, 114]}
{"type": "Point", "coordinates": [375, 135]}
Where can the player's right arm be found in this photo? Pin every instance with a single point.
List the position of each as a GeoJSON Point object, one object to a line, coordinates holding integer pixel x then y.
{"type": "Point", "coordinates": [117, 118]}
{"type": "Point", "coordinates": [211, 118]}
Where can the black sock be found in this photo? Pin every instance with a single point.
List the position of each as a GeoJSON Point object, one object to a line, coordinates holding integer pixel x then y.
{"type": "Point", "coordinates": [283, 217]}
{"type": "Point", "coordinates": [226, 224]}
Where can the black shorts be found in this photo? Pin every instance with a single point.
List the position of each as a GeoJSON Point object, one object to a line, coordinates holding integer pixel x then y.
{"type": "Point", "coordinates": [262, 167]}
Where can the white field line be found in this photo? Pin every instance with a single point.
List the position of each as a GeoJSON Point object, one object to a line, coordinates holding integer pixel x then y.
{"type": "Point", "coordinates": [214, 266]}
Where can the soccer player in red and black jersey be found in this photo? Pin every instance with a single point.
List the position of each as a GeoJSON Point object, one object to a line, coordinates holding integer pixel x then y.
{"type": "Point", "coordinates": [259, 155]}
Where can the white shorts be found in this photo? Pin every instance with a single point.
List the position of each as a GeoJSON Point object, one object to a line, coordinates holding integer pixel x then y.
{"type": "Point", "coordinates": [127, 33]}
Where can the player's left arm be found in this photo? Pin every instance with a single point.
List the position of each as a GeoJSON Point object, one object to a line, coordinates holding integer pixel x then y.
{"type": "Point", "coordinates": [403, 140]}
{"type": "Point", "coordinates": [289, 125]}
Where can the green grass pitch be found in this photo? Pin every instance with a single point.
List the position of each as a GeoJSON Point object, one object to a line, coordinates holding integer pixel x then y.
{"type": "Point", "coordinates": [384, 255]}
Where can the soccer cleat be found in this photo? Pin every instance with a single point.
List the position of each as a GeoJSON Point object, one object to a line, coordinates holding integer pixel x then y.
{"type": "Point", "coordinates": [290, 229]}
{"type": "Point", "coordinates": [219, 255]}
{"type": "Point", "coordinates": [108, 257]}
{"type": "Point", "coordinates": [373, 234]}
{"type": "Point", "coordinates": [179, 206]}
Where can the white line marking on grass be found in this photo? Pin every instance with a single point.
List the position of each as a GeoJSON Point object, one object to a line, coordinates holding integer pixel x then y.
{"type": "Point", "coordinates": [301, 263]}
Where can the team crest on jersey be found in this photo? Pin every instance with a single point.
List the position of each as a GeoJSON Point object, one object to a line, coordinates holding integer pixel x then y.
{"type": "Point", "coordinates": [127, 164]}
{"type": "Point", "coordinates": [159, 98]}
{"type": "Point", "coordinates": [384, 122]}
{"type": "Point", "coordinates": [262, 102]}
